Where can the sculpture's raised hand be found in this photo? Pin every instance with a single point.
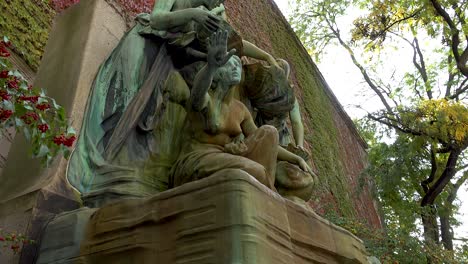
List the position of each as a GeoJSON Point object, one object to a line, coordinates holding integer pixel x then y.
{"type": "Point", "coordinates": [217, 49]}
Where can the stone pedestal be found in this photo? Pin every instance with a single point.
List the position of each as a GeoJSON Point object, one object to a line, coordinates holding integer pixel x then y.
{"type": "Point", "coordinates": [81, 38]}
{"type": "Point", "coordinates": [221, 219]}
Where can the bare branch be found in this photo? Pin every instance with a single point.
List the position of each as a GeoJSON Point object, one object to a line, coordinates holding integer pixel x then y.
{"type": "Point", "coordinates": [460, 90]}
{"type": "Point", "coordinates": [364, 73]}
{"type": "Point", "coordinates": [461, 59]}
{"type": "Point", "coordinates": [450, 78]}
{"type": "Point", "coordinates": [421, 67]}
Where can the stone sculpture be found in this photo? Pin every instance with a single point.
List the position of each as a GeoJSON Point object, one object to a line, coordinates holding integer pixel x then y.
{"type": "Point", "coordinates": [130, 140]}
{"type": "Point", "coordinates": [215, 119]}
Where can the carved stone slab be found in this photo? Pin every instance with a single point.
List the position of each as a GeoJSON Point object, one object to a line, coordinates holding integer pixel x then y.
{"type": "Point", "coordinates": [221, 219]}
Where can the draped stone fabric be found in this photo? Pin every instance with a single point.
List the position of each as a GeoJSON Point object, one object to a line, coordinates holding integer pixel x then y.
{"type": "Point", "coordinates": [270, 93]}
{"type": "Point", "coordinates": [202, 160]}
{"type": "Point", "coordinates": [116, 134]}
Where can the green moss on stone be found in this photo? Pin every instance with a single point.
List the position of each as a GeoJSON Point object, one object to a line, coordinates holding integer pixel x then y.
{"type": "Point", "coordinates": [317, 106]}
{"type": "Point", "coordinates": [27, 24]}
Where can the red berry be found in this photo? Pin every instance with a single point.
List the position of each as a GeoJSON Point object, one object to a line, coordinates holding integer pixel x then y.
{"type": "Point", "coordinates": [43, 107]}
{"type": "Point", "coordinates": [5, 95]}
{"type": "Point", "coordinates": [69, 141]}
{"type": "Point", "coordinates": [13, 84]}
{"type": "Point", "coordinates": [59, 140]}
{"type": "Point", "coordinates": [43, 127]}
{"type": "Point", "coordinates": [2, 239]}
{"type": "Point", "coordinates": [5, 114]}
{"type": "Point", "coordinates": [4, 52]}
{"type": "Point", "coordinates": [4, 74]}
{"type": "Point", "coordinates": [28, 118]}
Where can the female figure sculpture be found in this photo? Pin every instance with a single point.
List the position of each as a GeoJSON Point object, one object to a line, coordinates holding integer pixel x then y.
{"type": "Point", "coordinates": [123, 107]}
{"type": "Point", "coordinates": [215, 118]}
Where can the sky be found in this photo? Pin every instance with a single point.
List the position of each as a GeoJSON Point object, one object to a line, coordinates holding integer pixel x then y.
{"type": "Point", "coordinates": [345, 80]}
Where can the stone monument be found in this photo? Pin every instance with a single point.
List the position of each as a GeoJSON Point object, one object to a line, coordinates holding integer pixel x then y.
{"type": "Point", "coordinates": [184, 155]}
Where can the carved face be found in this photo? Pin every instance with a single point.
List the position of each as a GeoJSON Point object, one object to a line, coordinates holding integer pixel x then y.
{"type": "Point", "coordinates": [231, 73]}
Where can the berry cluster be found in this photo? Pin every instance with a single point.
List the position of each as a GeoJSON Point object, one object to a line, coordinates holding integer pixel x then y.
{"type": "Point", "coordinates": [30, 111]}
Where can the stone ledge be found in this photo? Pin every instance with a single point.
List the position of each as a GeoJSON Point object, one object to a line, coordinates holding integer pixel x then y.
{"type": "Point", "coordinates": [229, 218]}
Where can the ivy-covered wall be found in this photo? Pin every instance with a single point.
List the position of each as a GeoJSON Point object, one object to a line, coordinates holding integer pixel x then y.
{"type": "Point", "coordinates": [338, 152]}
{"type": "Point", "coordinates": [26, 23]}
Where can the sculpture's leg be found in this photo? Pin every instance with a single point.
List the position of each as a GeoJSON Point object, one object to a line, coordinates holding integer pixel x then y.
{"type": "Point", "coordinates": [263, 148]}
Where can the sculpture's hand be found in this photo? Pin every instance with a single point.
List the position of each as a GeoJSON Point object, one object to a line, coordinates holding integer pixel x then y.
{"type": "Point", "coordinates": [217, 49]}
{"type": "Point", "coordinates": [206, 19]}
{"type": "Point", "coordinates": [304, 166]}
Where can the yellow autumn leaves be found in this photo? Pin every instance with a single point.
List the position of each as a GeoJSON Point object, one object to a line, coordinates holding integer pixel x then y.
{"type": "Point", "coordinates": [439, 119]}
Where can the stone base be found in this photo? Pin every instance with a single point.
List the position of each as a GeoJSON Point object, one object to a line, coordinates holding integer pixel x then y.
{"type": "Point", "coordinates": [28, 215]}
{"type": "Point", "coordinates": [221, 219]}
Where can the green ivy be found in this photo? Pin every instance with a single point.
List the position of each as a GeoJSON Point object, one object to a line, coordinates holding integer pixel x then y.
{"type": "Point", "coordinates": [316, 106]}
{"type": "Point", "coordinates": [27, 24]}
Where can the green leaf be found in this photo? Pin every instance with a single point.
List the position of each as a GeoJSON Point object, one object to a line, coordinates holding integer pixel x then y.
{"type": "Point", "coordinates": [24, 86]}
{"type": "Point", "coordinates": [71, 130]}
{"type": "Point", "coordinates": [8, 105]}
{"type": "Point", "coordinates": [18, 122]}
{"type": "Point", "coordinates": [43, 151]}
{"type": "Point", "coordinates": [27, 106]}
{"type": "Point", "coordinates": [42, 100]}
{"type": "Point", "coordinates": [17, 74]}
{"type": "Point", "coordinates": [27, 133]}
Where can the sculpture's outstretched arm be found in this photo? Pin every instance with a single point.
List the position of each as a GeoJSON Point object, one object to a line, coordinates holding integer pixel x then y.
{"type": "Point", "coordinates": [164, 18]}
{"type": "Point", "coordinates": [252, 51]}
{"type": "Point", "coordinates": [203, 81]}
{"type": "Point", "coordinates": [297, 126]}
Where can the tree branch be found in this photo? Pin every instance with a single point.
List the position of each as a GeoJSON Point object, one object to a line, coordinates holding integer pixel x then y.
{"type": "Point", "coordinates": [393, 125]}
{"type": "Point", "coordinates": [461, 59]}
{"type": "Point", "coordinates": [421, 67]}
{"type": "Point", "coordinates": [364, 73]}
{"type": "Point", "coordinates": [443, 180]}
{"type": "Point", "coordinates": [460, 90]}
{"type": "Point", "coordinates": [425, 183]}
{"type": "Point", "coordinates": [451, 77]}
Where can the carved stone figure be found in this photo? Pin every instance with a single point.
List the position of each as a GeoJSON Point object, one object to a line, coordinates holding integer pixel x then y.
{"type": "Point", "coordinates": [129, 139]}
{"type": "Point", "coordinates": [215, 119]}
{"type": "Point", "coordinates": [126, 103]}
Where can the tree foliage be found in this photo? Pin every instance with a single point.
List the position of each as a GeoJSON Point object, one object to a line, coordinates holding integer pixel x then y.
{"type": "Point", "coordinates": [423, 103]}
